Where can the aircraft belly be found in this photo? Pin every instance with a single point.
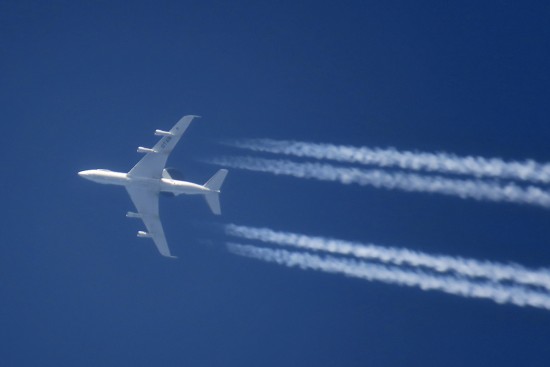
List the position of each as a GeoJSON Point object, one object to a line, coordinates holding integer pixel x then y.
{"type": "Point", "coordinates": [180, 188]}
{"type": "Point", "coordinates": [149, 183]}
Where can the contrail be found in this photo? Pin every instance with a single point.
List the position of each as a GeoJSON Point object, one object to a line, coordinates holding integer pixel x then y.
{"type": "Point", "coordinates": [466, 189]}
{"type": "Point", "coordinates": [418, 161]}
{"type": "Point", "coordinates": [390, 255]}
{"type": "Point", "coordinates": [498, 293]}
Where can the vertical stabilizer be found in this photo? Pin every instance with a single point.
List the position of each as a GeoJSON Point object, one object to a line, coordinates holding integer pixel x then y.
{"type": "Point", "coordinates": [213, 197]}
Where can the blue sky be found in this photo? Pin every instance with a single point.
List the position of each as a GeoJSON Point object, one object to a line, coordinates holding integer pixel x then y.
{"type": "Point", "coordinates": [83, 84]}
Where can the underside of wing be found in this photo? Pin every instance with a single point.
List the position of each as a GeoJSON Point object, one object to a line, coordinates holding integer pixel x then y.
{"type": "Point", "coordinates": [152, 164]}
{"type": "Point", "coordinates": [146, 202]}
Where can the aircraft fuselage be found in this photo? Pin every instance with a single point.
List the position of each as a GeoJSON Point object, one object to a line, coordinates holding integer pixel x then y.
{"type": "Point", "coordinates": [175, 187]}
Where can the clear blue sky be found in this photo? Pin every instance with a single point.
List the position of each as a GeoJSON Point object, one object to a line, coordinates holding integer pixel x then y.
{"type": "Point", "coordinates": [82, 84]}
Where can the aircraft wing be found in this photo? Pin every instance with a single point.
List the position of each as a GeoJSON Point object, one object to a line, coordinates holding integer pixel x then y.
{"type": "Point", "coordinates": [146, 202]}
{"type": "Point", "coordinates": [152, 164]}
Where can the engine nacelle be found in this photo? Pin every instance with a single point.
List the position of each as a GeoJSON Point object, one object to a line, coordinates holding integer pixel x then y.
{"type": "Point", "coordinates": [133, 215]}
{"type": "Point", "coordinates": [143, 234]}
{"type": "Point", "coordinates": [163, 133]}
{"type": "Point", "coordinates": [145, 150]}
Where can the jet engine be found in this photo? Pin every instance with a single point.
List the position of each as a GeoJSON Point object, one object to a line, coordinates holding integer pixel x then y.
{"type": "Point", "coordinates": [143, 234]}
{"type": "Point", "coordinates": [163, 133]}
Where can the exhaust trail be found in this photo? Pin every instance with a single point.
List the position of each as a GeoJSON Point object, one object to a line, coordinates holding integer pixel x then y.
{"type": "Point", "coordinates": [418, 161]}
{"type": "Point", "coordinates": [390, 255]}
{"type": "Point", "coordinates": [499, 293]}
{"type": "Point", "coordinates": [462, 188]}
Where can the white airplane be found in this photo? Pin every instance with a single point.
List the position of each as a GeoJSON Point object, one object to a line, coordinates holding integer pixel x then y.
{"type": "Point", "coordinates": [148, 178]}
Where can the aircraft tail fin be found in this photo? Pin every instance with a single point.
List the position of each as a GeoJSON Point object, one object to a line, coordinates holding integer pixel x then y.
{"type": "Point", "coordinates": [213, 197]}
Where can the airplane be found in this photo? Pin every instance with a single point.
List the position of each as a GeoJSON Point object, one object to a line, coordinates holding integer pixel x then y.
{"type": "Point", "coordinates": [149, 178]}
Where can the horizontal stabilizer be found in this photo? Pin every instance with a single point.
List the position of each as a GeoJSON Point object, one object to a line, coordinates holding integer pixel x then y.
{"type": "Point", "coordinates": [213, 201]}
{"type": "Point", "coordinates": [216, 181]}
{"type": "Point", "coordinates": [213, 196]}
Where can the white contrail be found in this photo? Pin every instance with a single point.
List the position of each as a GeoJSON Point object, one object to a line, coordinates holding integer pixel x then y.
{"type": "Point", "coordinates": [498, 293]}
{"type": "Point", "coordinates": [390, 255]}
{"type": "Point", "coordinates": [419, 161]}
{"type": "Point", "coordinates": [466, 189]}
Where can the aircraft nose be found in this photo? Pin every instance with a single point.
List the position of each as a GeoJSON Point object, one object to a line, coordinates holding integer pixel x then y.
{"type": "Point", "coordinates": [82, 173]}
